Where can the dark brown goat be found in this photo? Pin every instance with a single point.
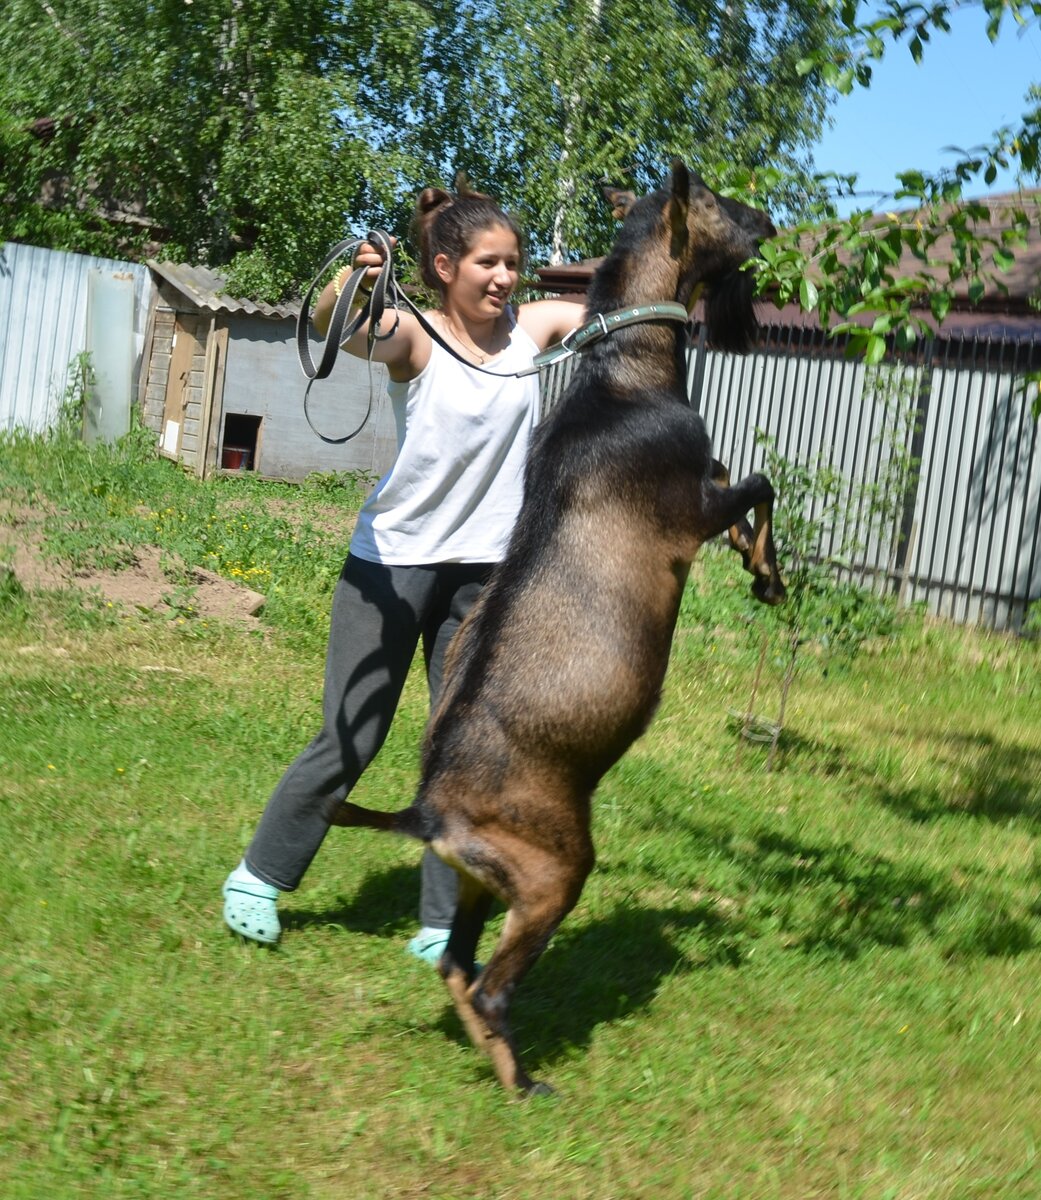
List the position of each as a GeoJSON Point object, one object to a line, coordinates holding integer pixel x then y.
{"type": "Point", "coordinates": [559, 666]}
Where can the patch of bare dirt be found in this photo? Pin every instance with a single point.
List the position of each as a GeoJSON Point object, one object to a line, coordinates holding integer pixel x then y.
{"type": "Point", "coordinates": [143, 584]}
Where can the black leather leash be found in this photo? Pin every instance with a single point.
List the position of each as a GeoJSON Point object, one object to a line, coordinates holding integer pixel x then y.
{"type": "Point", "coordinates": [386, 293]}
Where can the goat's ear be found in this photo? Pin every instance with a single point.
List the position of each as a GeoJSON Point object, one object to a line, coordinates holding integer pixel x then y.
{"type": "Point", "coordinates": [679, 204]}
{"type": "Point", "coordinates": [619, 201]}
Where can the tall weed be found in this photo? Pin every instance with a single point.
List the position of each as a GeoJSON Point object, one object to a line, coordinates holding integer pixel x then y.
{"type": "Point", "coordinates": [822, 523]}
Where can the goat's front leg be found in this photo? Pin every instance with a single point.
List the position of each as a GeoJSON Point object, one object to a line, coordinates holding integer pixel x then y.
{"type": "Point", "coordinates": [725, 507]}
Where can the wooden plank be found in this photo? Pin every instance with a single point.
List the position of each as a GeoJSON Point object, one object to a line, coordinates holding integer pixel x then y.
{"type": "Point", "coordinates": [217, 401]}
{"type": "Point", "coordinates": [216, 359]}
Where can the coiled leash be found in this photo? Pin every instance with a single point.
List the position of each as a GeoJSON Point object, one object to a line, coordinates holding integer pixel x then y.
{"type": "Point", "coordinates": [340, 327]}
{"type": "Point", "coordinates": [386, 292]}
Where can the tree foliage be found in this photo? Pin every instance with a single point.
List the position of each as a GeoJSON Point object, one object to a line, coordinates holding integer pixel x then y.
{"type": "Point", "coordinates": [250, 135]}
{"type": "Point", "coordinates": [211, 131]}
{"type": "Point", "coordinates": [609, 90]}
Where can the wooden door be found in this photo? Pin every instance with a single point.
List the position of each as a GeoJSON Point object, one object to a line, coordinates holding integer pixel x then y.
{"type": "Point", "coordinates": [183, 354]}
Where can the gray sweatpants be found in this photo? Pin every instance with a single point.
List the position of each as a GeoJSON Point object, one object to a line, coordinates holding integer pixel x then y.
{"type": "Point", "coordinates": [379, 616]}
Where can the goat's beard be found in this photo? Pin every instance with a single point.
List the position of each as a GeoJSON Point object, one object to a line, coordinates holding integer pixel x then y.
{"type": "Point", "coordinates": [730, 312]}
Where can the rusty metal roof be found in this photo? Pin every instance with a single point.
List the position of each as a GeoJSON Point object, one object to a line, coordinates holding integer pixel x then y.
{"type": "Point", "coordinates": [205, 288]}
{"type": "Point", "coordinates": [567, 278]}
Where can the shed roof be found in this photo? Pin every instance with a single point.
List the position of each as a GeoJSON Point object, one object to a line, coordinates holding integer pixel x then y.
{"type": "Point", "coordinates": [205, 288]}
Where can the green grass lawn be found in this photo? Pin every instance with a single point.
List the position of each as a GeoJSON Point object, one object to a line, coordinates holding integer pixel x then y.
{"type": "Point", "coordinates": [822, 981]}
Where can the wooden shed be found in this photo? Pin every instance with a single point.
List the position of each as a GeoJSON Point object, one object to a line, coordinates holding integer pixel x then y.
{"type": "Point", "coordinates": [222, 387]}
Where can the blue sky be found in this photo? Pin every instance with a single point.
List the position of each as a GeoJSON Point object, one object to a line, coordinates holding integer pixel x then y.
{"type": "Point", "coordinates": [964, 89]}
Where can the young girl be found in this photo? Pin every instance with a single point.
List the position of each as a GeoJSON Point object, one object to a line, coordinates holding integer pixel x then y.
{"type": "Point", "coordinates": [426, 539]}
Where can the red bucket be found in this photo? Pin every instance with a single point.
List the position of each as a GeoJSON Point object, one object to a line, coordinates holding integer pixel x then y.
{"type": "Point", "coordinates": [236, 458]}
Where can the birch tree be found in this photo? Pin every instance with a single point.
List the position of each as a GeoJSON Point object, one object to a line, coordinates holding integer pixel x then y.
{"type": "Point", "coordinates": [610, 90]}
{"type": "Point", "coordinates": [251, 136]}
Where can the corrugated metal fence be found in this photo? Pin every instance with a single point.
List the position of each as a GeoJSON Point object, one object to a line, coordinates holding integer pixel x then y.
{"type": "Point", "coordinates": [43, 326]}
{"type": "Point", "coordinates": [966, 537]}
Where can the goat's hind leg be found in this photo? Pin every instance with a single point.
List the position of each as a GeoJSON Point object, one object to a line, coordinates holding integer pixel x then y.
{"type": "Point", "coordinates": [485, 1020]}
{"type": "Point", "coordinates": [543, 893]}
{"type": "Point", "coordinates": [524, 937]}
{"type": "Point", "coordinates": [539, 895]}
{"type": "Point", "coordinates": [726, 506]}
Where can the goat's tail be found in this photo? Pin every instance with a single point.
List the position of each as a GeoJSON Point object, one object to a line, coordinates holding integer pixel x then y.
{"type": "Point", "coordinates": [410, 822]}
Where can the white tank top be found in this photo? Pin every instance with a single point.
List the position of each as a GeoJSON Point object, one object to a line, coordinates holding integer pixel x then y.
{"type": "Point", "coordinates": [455, 488]}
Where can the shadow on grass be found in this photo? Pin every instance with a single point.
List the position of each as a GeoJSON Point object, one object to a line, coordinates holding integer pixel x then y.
{"type": "Point", "coordinates": [807, 900]}
{"type": "Point", "coordinates": [837, 900]}
{"type": "Point", "coordinates": [384, 905]}
{"type": "Point", "coordinates": [788, 895]}
{"type": "Point", "coordinates": [812, 754]}
{"type": "Point", "coordinates": [996, 781]}
{"type": "Point", "coordinates": [841, 900]}
{"type": "Point", "coordinates": [597, 972]}
{"type": "Point", "coordinates": [600, 972]}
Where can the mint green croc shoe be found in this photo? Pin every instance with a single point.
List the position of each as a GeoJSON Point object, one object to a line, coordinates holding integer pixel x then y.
{"type": "Point", "coordinates": [249, 907]}
{"type": "Point", "coordinates": [429, 944]}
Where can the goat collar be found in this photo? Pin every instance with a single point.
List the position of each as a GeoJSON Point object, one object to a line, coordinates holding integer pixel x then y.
{"type": "Point", "coordinates": [603, 324]}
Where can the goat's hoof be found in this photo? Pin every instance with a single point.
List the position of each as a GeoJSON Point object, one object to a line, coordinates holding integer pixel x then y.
{"type": "Point", "coordinates": [768, 590]}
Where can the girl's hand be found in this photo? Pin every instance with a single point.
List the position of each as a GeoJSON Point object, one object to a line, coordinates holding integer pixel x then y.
{"type": "Point", "coordinates": [367, 255]}
{"type": "Point", "coordinates": [370, 256]}
{"type": "Point", "coordinates": [406, 351]}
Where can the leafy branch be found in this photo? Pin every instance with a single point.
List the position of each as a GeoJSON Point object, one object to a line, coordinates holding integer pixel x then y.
{"type": "Point", "coordinates": [853, 272]}
{"type": "Point", "coordinates": [867, 40]}
{"type": "Point", "coordinates": [846, 269]}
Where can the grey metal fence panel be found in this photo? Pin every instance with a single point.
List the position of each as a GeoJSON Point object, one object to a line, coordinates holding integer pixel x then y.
{"type": "Point", "coordinates": [968, 545]}
{"type": "Point", "coordinates": [43, 305]}
{"type": "Point", "coordinates": [978, 518]}
{"type": "Point", "coordinates": [553, 381]}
